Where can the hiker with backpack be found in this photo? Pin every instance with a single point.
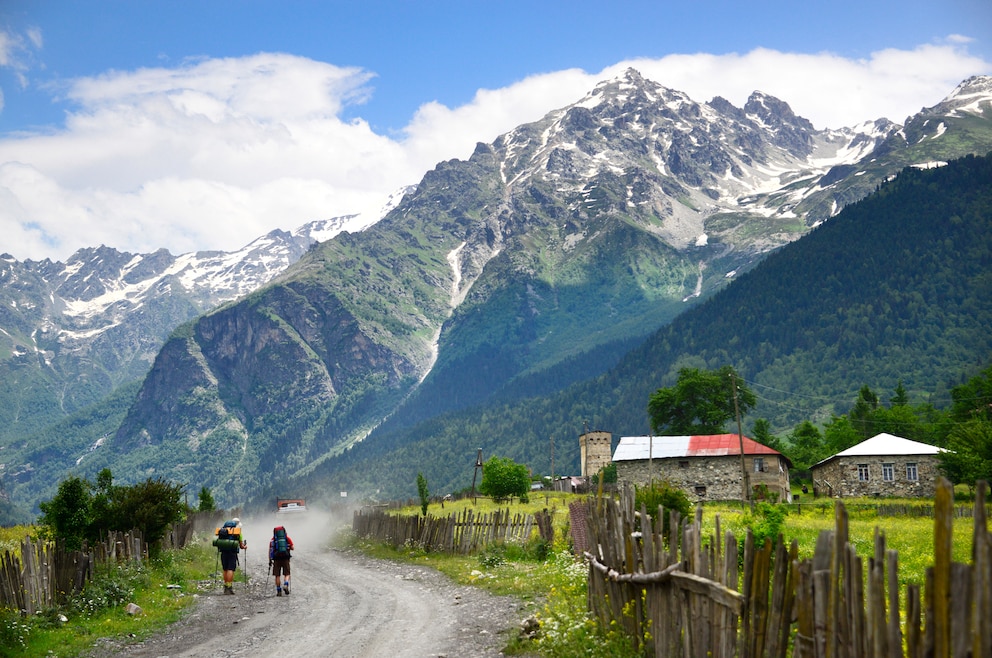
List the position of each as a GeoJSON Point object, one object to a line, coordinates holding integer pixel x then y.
{"type": "Point", "coordinates": [279, 554]}
{"type": "Point", "coordinates": [229, 543]}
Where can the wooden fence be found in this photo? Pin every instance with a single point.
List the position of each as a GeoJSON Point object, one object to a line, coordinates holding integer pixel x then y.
{"type": "Point", "coordinates": [687, 597]}
{"type": "Point", "coordinates": [45, 574]}
{"type": "Point", "coordinates": [462, 533]}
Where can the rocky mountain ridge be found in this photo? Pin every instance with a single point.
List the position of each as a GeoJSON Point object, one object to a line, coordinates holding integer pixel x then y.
{"type": "Point", "coordinates": [538, 261]}
{"type": "Point", "coordinates": [96, 321]}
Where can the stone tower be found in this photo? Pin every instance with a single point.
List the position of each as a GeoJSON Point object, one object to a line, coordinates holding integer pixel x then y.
{"type": "Point", "coordinates": [596, 450]}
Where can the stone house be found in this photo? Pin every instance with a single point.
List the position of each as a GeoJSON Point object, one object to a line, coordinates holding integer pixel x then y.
{"type": "Point", "coordinates": [705, 467]}
{"type": "Point", "coordinates": [884, 465]}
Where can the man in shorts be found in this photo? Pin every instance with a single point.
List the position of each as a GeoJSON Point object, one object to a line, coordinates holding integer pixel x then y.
{"type": "Point", "coordinates": [229, 543]}
{"type": "Point", "coordinates": [279, 554]}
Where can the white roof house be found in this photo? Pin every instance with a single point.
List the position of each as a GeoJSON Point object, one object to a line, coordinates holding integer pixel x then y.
{"type": "Point", "coordinates": [884, 465]}
{"type": "Point", "coordinates": [885, 444]}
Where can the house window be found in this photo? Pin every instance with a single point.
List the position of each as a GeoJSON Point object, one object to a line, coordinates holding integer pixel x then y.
{"type": "Point", "coordinates": [684, 463]}
{"type": "Point", "coordinates": [862, 472]}
{"type": "Point", "coordinates": [911, 472]}
{"type": "Point", "coordinates": [700, 490]}
{"type": "Point", "coordinates": [887, 473]}
{"type": "Point", "coordinates": [759, 464]}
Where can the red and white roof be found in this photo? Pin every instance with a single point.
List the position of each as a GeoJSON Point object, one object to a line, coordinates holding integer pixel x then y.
{"type": "Point", "coordinates": [667, 447]}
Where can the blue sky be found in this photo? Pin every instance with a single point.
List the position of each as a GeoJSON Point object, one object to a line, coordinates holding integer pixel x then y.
{"type": "Point", "coordinates": [202, 125]}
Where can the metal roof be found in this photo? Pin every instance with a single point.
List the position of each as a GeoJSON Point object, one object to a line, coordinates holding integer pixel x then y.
{"type": "Point", "coordinates": [884, 444]}
{"type": "Point", "coordinates": [667, 447]}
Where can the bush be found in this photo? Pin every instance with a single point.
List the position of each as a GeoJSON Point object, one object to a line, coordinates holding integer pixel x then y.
{"type": "Point", "coordinates": [108, 589]}
{"type": "Point", "coordinates": [13, 633]}
{"type": "Point", "coordinates": [767, 522]}
{"type": "Point", "coordinates": [668, 496]}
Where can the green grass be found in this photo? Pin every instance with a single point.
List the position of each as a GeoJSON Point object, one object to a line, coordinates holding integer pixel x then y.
{"type": "Point", "coordinates": [99, 611]}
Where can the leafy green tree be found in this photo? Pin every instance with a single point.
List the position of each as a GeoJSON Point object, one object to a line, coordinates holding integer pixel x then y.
{"type": "Point", "coordinates": [102, 507]}
{"type": "Point", "coordinates": [502, 478]}
{"type": "Point", "coordinates": [701, 402]}
{"type": "Point", "coordinates": [899, 397]}
{"type": "Point", "coordinates": [839, 434]}
{"type": "Point", "coordinates": [861, 415]}
{"type": "Point", "coordinates": [968, 458]}
{"type": "Point", "coordinates": [424, 493]}
{"type": "Point", "coordinates": [206, 500]}
{"type": "Point", "coordinates": [973, 399]}
{"type": "Point", "coordinates": [762, 433]}
{"type": "Point", "coordinates": [806, 446]}
{"type": "Point", "coordinates": [150, 507]}
{"type": "Point", "coordinates": [969, 442]}
{"type": "Point", "coordinates": [68, 514]}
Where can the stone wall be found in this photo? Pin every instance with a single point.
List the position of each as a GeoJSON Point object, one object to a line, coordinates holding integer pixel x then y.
{"type": "Point", "coordinates": [709, 478]}
{"type": "Point", "coordinates": [839, 477]}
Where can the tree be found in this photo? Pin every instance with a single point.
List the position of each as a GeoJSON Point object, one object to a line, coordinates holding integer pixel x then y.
{"type": "Point", "coordinates": [862, 414]}
{"type": "Point", "coordinates": [701, 402]}
{"type": "Point", "coordinates": [502, 478]}
{"type": "Point", "coordinates": [68, 515]}
{"type": "Point", "coordinates": [968, 458]}
{"type": "Point", "coordinates": [424, 493]}
{"type": "Point", "coordinates": [969, 443]}
{"type": "Point", "coordinates": [150, 506]}
{"type": "Point", "coordinates": [807, 446]}
{"type": "Point", "coordinates": [899, 397]}
{"type": "Point", "coordinates": [206, 500]}
{"type": "Point", "coordinates": [103, 512]}
{"type": "Point", "coordinates": [762, 433]}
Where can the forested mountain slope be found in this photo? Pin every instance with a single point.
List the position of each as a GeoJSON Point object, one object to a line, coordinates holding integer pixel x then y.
{"type": "Point", "coordinates": [896, 288]}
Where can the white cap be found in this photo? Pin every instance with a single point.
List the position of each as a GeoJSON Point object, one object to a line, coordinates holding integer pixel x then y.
{"type": "Point", "coordinates": [236, 520]}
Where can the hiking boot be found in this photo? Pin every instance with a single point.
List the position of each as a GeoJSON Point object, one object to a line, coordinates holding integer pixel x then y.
{"type": "Point", "coordinates": [285, 587]}
{"type": "Point", "coordinates": [278, 592]}
{"type": "Point", "coordinates": [228, 589]}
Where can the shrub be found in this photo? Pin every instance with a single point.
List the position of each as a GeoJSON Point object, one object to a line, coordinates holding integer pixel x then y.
{"type": "Point", "coordinates": [767, 522]}
{"type": "Point", "coordinates": [668, 496]}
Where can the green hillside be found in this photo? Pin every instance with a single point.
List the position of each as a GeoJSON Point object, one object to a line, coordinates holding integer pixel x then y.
{"type": "Point", "coordinates": [896, 288]}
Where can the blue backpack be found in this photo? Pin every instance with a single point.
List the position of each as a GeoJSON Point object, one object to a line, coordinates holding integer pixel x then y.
{"type": "Point", "coordinates": [281, 548]}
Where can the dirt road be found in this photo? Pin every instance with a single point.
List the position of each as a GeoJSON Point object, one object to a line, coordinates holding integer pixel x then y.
{"type": "Point", "coordinates": [342, 604]}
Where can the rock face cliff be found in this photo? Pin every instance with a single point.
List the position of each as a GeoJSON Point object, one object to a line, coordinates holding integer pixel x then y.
{"type": "Point", "coordinates": [537, 262]}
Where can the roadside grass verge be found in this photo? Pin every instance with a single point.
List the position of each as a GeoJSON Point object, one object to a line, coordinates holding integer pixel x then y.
{"type": "Point", "coordinates": [99, 611]}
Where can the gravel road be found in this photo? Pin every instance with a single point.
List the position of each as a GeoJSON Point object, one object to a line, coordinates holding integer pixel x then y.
{"type": "Point", "coordinates": [342, 604]}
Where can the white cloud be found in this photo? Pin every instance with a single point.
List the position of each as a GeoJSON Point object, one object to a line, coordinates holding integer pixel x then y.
{"type": "Point", "coordinates": [213, 153]}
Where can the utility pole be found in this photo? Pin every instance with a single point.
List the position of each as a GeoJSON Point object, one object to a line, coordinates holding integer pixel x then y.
{"type": "Point", "coordinates": [552, 460]}
{"type": "Point", "coordinates": [740, 438]}
{"type": "Point", "coordinates": [478, 466]}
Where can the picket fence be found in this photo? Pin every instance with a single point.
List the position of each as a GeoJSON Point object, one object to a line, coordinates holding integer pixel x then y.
{"type": "Point", "coordinates": [463, 533]}
{"type": "Point", "coordinates": [689, 597]}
